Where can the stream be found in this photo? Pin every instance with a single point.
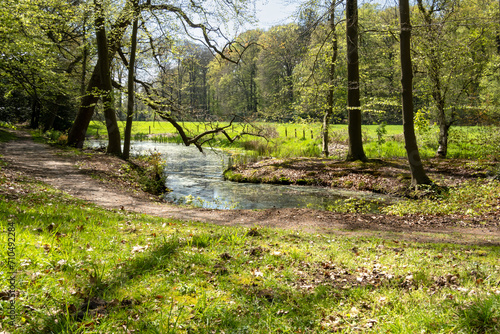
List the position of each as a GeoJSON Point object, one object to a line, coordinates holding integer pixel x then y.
{"type": "Point", "coordinates": [197, 179]}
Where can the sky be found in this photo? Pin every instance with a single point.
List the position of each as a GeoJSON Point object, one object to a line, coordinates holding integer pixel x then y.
{"type": "Point", "coordinates": [274, 12]}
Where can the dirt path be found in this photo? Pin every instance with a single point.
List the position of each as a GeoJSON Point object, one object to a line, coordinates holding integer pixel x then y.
{"type": "Point", "coordinates": [45, 164]}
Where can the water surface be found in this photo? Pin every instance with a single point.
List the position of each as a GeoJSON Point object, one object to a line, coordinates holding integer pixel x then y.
{"type": "Point", "coordinates": [197, 178]}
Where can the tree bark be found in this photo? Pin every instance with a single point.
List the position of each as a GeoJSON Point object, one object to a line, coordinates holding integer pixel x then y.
{"type": "Point", "coordinates": [331, 74]}
{"type": "Point", "coordinates": [356, 151]}
{"type": "Point", "coordinates": [417, 171]}
{"type": "Point", "coordinates": [76, 136]}
{"type": "Point", "coordinates": [444, 125]}
{"type": "Point", "coordinates": [130, 93]}
{"type": "Point", "coordinates": [114, 141]}
{"type": "Point", "coordinates": [36, 110]}
{"type": "Point", "coordinates": [444, 129]}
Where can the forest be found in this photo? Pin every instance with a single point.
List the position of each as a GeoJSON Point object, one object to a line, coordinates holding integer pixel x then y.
{"type": "Point", "coordinates": [185, 67]}
{"type": "Point", "coordinates": [379, 120]}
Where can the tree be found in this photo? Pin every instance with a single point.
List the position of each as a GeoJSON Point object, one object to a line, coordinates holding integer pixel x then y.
{"type": "Point", "coordinates": [130, 86]}
{"type": "Point", "coordinates": [331, 77]}
{"type": "Point", "coordinates": [38, 59]}
{"type": "Point", "coordinates": [452, 54]}
{"type": "Point", "coordinates": [380, 74]}
{"type": "Point", "coordinates": [282, 50]}
{"type": "Point", "coordinates": [417, 171]}
{"type": "Point", "coordinates": [76, 136]}
{"type": "Point", "coordinates": [234, 87]}
{"type": "Point", "coordinates": [114, 141]}
{"type": "Point", "coordinates": [356, 151]}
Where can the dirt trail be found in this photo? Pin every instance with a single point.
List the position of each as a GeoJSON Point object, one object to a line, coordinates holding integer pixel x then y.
{"type": "Point", "coordinates": [42, 162]}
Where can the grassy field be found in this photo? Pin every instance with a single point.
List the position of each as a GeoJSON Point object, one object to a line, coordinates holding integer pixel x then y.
{"type": "Point", "coordinates": [293, 140]}
{"type": "Point", "coordinates": [83, 269]}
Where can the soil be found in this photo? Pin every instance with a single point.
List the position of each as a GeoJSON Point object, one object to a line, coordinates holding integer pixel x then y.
{"type": "Point", "coordinates": [76, 174]}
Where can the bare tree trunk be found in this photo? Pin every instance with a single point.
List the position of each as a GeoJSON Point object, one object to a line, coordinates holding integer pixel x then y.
{"type": "Point", "coordinates": [331, 74]}
{"type": "Point", "coordinates": [444, 130]}
{"type": "Point", "coordinates": [130, 93]}
{"type": "Point", "coordinates": [114, 141]}
{"type": "Point", "coordinates": [418, 174]}
{"type": "Point", "coordinates": [356, 151]}
{"type": "Point", "coordinates": [444, 124]}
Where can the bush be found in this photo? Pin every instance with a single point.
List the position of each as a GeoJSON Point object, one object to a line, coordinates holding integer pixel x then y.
{"type": "Point", "coordinates": [153, 177]}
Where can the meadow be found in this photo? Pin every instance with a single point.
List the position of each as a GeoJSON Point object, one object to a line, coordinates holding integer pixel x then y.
{"type": "Point", "coordinates": [84, 269]}
{"type": "Point", "coordinates": [303, 140]}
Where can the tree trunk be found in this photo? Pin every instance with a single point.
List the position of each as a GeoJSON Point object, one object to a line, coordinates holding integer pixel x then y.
{"type": "Point", "coordinates": [356, 151]}
{"type": "Point", "coordinates": [331, 74]}
{"type": "Point", "coordinates": [418, 174]}
{"type": "Point", "coordinates": [130, 93]}
{"type": "Point", "coordinates": [444, 125]}
{"type": "Point", "coordinates": [444, 129]}
{"type": "Point", "coordinates": [76, 136]}
{"type": "Point", "coordinates": [35, 113]}
{"type": "Point", "coordinates": [114, 141]}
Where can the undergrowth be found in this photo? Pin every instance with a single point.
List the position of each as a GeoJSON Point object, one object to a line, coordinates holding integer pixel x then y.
{"type": "Point", "coordinates": [472, 198]}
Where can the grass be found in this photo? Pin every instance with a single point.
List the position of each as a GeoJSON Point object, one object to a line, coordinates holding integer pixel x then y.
{"type": "Point", "coordinates": [473, 198]}
{"type": "Point", "coordinates": [83, 269]}
{"type": "Point", "coordinates": [303, 140]}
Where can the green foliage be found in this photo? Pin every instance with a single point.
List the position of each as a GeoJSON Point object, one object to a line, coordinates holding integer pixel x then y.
{"type": "Point", "coordinates": [6, 136]}
{"type": "Point", "coordinates": [37, 83]}
{"type": "Point", "coordinates": [479, 142]}
{"type": "Point", "coordinates": [470, 198]}
{"type": "Point", "coordinates": [153, 178]}
{"type": "Point", "coordinates": [381, 132]}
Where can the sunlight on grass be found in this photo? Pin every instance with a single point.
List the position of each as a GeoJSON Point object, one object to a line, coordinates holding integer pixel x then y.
{"type": "Point", "coordinates": [84, 269]}
{"type": "Point", "coordinates": [285, 140]}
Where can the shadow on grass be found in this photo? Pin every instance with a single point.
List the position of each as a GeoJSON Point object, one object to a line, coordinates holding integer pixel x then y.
{"type": "Point", "coordinates": [96, 305]}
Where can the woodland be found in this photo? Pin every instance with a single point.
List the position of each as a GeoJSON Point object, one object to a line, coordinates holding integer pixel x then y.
{"type": "Point", "coordinates": [399, 98]}
{"type": "Point", "coordinates": [65, 63]}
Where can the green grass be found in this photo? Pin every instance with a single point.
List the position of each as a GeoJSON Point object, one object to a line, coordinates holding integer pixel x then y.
{"type": "Point", "coordinates": [6, 136]}
{"type": "Point", "coordinates": [471, 198]}
{"type": "Point", "coordinates": [83, 269]}
{"type": "Point", "coordinates": [303, 140]}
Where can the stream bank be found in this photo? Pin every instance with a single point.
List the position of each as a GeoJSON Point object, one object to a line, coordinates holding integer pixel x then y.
{"type": "Point", "coordinates": [389, 177]}
{"type": "Point", "coordinates": [25, 160]}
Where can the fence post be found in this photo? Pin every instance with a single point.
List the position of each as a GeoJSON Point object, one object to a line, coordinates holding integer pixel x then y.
{"type": "Point", "coordinates": [295, 133]}
{"type": "Point", "coordinates": [286, 133]}
{"type": "Point", "coordinates": [303, 134]}
{"type": "Point", "coordinates": [312, 137]}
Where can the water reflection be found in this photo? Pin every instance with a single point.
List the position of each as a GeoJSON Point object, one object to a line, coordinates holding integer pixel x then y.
{"type": "Point", "coordinates": [196, 178]}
